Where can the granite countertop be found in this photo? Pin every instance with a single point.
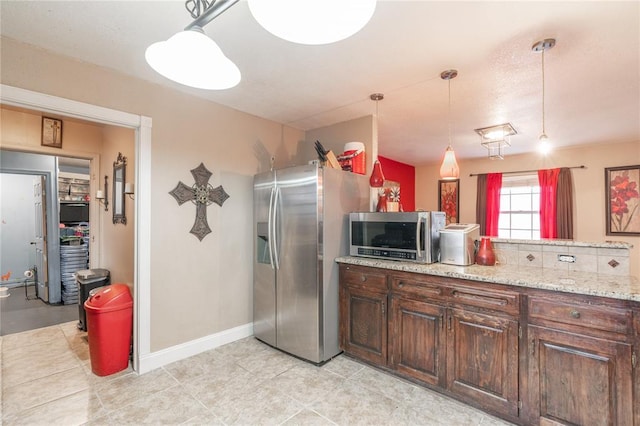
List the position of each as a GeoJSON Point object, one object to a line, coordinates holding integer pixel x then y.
{"type": "Point", "coordinates": [616, 287]}
{"type": "Point", "coordinates": [566, 243]}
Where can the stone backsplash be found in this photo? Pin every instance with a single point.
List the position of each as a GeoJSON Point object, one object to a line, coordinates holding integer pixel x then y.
{"type": "Point", "coordinates": [610, 258]}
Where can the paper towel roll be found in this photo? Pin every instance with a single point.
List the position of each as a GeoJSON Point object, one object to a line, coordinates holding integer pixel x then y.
{"type": "Point", "coordinates": [28, 273]}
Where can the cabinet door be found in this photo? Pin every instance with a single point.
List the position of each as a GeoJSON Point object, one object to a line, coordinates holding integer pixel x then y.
{"type": "Point", "coordinates": [364, 324]}
{"type": "Point", "coordinates": [417, 340]}
{"type": "Point", "coordinates": [482, 360]}
{"type": "Point", "coordinates": [576, 379]}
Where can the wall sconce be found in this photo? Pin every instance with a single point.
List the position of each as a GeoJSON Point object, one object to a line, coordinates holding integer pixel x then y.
{"type": "Point", "coordinates": [495, 138]}
{"type": "Point", "coordinates": [103, 197]}
{"type": "Point", "coordinates": [128, 190]}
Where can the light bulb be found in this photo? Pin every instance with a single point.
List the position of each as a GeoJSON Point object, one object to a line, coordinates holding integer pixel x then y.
{"type": "Point", "coordinates": [544, 144]}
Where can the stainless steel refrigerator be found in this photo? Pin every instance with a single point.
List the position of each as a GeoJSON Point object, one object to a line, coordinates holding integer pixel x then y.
{"type": "Point", "coordinates": [300, 227]}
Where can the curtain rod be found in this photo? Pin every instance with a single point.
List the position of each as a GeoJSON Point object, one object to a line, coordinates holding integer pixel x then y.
{"type": "Point", "coordinates": [526, 171]}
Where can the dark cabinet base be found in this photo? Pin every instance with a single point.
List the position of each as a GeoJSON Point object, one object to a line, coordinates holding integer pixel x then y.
{"type": "Point", "coordinates": [528, 356]}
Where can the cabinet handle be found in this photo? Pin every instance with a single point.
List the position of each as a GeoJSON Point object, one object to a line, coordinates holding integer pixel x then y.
{"type": "Point", "coordinates": [401, 284]}
{"type": "Point", "coordinates": [450, 323]}
{"type": "Point", "coordinates": [574, 314]}
{"type": "Point", "coordinates": [441, 322]}
{"type": "Point", "coordinates": [532, 345]}
{"type": "Point", "coordinates": [363, 278]}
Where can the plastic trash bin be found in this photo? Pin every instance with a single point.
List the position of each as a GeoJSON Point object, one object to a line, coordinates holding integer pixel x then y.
{"type": "Point", "coordinates": [88, 280]}
{"type": "Point", "coordinates": [109, 328]}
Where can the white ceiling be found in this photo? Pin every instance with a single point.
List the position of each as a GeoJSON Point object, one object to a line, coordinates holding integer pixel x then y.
{"type": "Point", "coordinates": [592, 74]}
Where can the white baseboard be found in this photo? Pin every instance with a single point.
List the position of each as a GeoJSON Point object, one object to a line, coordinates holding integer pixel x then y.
{"type": "Point", "coordinates": [185, 350]}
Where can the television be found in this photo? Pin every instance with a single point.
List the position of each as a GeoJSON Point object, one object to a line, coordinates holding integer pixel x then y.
{"type": "Point", "coordinates": [74, 211]}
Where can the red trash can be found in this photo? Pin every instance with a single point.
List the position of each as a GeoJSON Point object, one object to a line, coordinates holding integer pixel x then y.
{"type": "Point", "coordinates": [109, 328]}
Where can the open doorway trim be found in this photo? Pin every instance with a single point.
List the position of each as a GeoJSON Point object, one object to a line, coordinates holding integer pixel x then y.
{"type": "Point", "coordinates": [18, 97]}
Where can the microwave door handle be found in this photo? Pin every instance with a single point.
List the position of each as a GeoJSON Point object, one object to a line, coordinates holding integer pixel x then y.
{"type": "Point", "coordinates": [275, 229]}
{"type": "Point", "coordinates": [269, 233]}
{"type": "Point", "coordinates": [418, 234]}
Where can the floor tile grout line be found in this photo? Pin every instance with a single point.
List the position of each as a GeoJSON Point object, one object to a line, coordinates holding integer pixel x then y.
{"type": "Point", "coordinates": [41, 377]}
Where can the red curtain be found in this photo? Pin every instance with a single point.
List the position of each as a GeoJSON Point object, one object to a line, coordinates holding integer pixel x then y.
{"type": "Point", "coordinates": [548, 180]}
{"type": "Point", "coordinates": [494, 183]}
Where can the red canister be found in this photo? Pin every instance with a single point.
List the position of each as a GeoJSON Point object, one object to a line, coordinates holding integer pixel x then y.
{"type": "Point", "coordinates": [355, 157]}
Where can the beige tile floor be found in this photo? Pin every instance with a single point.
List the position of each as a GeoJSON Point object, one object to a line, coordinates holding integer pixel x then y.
{"type": "Point", "coordinates": [46, 379]}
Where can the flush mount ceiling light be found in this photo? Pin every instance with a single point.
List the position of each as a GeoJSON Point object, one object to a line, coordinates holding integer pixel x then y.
{"type": "Point", "coordinates": [495, 138]}
{"type": "Point", "coordinates": [449, 168]}
{"type": "Point", "coordinates": [544, 145]}
{"type": "Point", "coordinates": [312, 22]}
{"type": "Point", "coordinates": [190, 57]}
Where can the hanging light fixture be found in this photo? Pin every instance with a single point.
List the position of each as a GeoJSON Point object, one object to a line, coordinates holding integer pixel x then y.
{"type": "Point", "coordinates": [190, 57]}
{"type": "Point", "coordinates": [312, 22]}
{"type": "Point", "coordinates": [544, 145]}
{"type": "Point", "coordinates": [496, 138]}
{"type": "Point", "coordinates": [449, 168]}
{"type": "Point", "coordinates": [377, 177]}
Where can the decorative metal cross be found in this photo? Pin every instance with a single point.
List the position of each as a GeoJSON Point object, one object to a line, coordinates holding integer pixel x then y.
{"type": "Point", "coordinates": [202, 194]}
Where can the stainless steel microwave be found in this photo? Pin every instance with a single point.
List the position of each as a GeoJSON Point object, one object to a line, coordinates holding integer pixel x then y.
{"type": "Point", "coordinates": [408, 236]}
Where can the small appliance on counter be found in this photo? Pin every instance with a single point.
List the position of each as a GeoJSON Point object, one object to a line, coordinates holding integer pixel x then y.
{"type": "Point", "coordinates": [457, 243]}
{"type": "Point", "coordinates": [408, 236]}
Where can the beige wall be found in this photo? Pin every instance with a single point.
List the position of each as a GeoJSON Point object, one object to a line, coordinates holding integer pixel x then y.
{"type": "Point", "coordinates": [197, 287]}
{"type": "Point", "coordinates": [117, 240]}
{"type": "Point", "coordinates": [335, 136]}
{"type": "Point", "coordinates": [589, 191]}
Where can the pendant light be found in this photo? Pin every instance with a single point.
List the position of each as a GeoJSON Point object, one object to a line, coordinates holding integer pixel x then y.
{"type": "Point", "coordinates": [449, 168]}
{"type": "Point", "coordinates": [544, 145]}
{"type": "Point", "coordinates": [193, 59]}
{"type": "Point", "coordinates": [190, 57]}
{"type": "Point", "coordinates": [377, 177]}
{"type": "Point", "coordinates": [312, 22]}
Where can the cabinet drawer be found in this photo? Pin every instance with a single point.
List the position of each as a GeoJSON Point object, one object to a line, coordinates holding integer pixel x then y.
{"type": "Point", "coordinates": [363, 277]}
{"type": "Point", "coordinates": [497, 300]}
{"type": "Point", "coordinates": [606, 318]}
{"type": "Point", "coordinates": [417, 289]}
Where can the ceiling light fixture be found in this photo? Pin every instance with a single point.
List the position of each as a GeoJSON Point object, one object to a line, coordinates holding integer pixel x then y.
{"type": "Point", "coordinates": [544, 145]}
{"type": "Point", "coordinates": [495, 138]}
{"type": "Point", "coordinates": [312, 22]}
{"type": "Point", "coordinates": [190, 57]}
{"type": "Point", "coordinates": [449, 168]}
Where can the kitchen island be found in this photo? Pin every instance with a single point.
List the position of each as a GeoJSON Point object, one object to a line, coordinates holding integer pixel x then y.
{"type": "Point", "coordinates": [531, 344]}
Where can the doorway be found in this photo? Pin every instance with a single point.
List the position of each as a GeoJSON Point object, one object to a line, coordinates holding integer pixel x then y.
{"type": "Point", "coordinates": [38, 294]}
{"type": "Point", "coordinates": [9, 95]}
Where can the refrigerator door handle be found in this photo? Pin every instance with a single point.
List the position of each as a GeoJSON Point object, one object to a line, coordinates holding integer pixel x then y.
{"type": "Point", "coordinates": [275, 230]}
{"type": "Point", "coordinates": [269, 233]}
{"type": "Point", "coordinates": [418, 235]}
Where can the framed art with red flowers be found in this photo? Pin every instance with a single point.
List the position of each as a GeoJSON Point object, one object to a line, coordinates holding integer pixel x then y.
{"type": "Point", "coordinates": [623, 200]}
{"type": "Point", "coordinates": [448, 198]}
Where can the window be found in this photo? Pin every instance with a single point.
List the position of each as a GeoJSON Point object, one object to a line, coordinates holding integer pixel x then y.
{"type": "Point", "coordinates": [519, 208]}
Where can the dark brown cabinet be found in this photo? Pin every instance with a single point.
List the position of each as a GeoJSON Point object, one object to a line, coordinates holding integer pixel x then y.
{"type": "Point", "coordinates": [482, 363]}
{"type": "Point", "coordinates": [580, 363]}
{"type": "Point", "coordinates": [418, 340]}
{"type": "Point", "coordinates": [579, 380]}
{"type": "Point", "coordinates": [530, 356]}
{"type": "Point", "coordinates": [363, 313]}
{"type": "Point", "coordinates": [457, 338]}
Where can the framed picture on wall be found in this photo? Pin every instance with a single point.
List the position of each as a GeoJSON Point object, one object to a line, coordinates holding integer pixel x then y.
{"type": "Point", "coordinates": [448, 199]}
{"type": "Point", "coordinates": [622, 200]}
{"type": "Point", "coordinates": [51, 132]}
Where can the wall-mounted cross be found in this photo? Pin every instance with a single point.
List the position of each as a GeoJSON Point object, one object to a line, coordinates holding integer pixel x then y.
{"type": "Point", "coordinates": [201, 194]}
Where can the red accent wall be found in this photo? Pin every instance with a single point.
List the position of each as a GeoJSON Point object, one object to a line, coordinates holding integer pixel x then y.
{"type": "Point", "coordinates": [405, 175]}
